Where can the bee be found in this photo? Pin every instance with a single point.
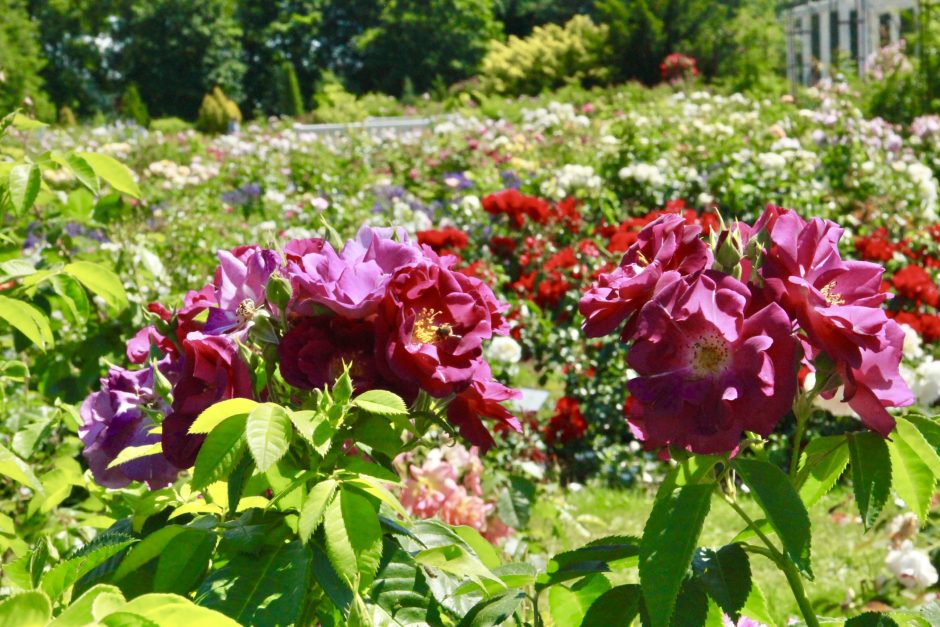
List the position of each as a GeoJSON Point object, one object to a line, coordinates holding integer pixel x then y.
{"type": "Point", "coordinates": [445, 331]}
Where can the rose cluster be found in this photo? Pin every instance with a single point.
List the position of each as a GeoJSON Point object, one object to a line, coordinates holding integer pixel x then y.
{"type": "Point", "coordinates": [678, 67]}
{"type": "Point", "coordinates": [718, 330]}
{"type": "Point", "coordinates": [394, 311]}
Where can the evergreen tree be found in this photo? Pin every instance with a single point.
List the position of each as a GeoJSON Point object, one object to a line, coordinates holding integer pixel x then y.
{"type": "Point", "coordinates": [20, 62]}
{"type": "Point", "coordinates": [290, 101]}
{"type": "Point", "coordinates": [133, 107]}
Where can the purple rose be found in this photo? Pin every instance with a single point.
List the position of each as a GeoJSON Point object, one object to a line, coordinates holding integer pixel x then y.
{"type": "Point", "coordinates": [114, 419]}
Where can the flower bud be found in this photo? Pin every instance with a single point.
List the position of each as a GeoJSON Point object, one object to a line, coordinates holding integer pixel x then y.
{"type": "Point", "coordinates": [278, 292]}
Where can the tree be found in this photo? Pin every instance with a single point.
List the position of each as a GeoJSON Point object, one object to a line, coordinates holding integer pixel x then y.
{"type": "Point", "coordinates": [422, 39]}
{"type": "Point", "coordinates": [343, 21]}
{"type": "Point", "coordinates": [520, 17]}
{"type": "Point", "coordinates": [290, 102]}
{"type": "Point", "coordinates": [194, 43]}
{"type": "Point", "coordinates": [275, 33]}
{"type": "Point", "coordinates": [133, 107]}
{"type": "Point", "coordinates": [20, 61]}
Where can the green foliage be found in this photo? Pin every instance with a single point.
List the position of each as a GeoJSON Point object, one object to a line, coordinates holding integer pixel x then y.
{"type": "Point", "coordinates": [333, 103]}
{"type": "Point", "coordinates": [133, 107]}
{"type": "Point", "coordinates": [169, 126]}
{"type": "Point", "coordinates": [290, 100]}
{"type": "Point", "coordinates": [197, 43]}
{"type": "Point", "coordinates": [422, 39]}
{"type": "Point", "coordinates": [752, 56]}
{"type": "Point", "coordinates": [66, 116]}
{"type": "Point", "coordinates": [550, 57]}
{"type": "Point", "coordinates": [20, 62]}
{"type": "Point", "coordinates": [217, 113]}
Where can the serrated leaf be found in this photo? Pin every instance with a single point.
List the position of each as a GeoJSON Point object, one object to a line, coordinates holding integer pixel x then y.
{"type": "Point", "coordinates": [617, 606]}
{"type": "Point", "coordinates": [480, 545]}
{"type": "Point", "coordinates": [787, 515]}
{"type": "Point", "coordinates": [372, 487]}
{"type": "Point", "coordinates": [353, 538]}
{"type": "Point", "coordinates": [381, 402]}
{"type": "Point", "coordinates": [23, 182]}
{"type": "Point", "coordinates": [28, 320]}
{"type": "Point", "coordinates": [99, 281]}
{"type": "Point", "coordinates": [726, 575]}
{"type": "Point", "coordinates": [871, 474]}
{"type": "Point", "coordinates": [172, 610]}
{"type": "Point", "coordinates": [756, 606]}
{"type": "Point", "coordinates": [214, 415]}
{"type": "Point", "coordinates": [24, 123]}
{"type": "Point", "coordinates": [456, 560]}
{"type": "Point", "coordinates": [15, 468]}
{"type": "Point", "coordinates": [400, 587]}
{"type": "Point", "coordinates": [668, 543]}
{"type": "Point", "coordinates": [493, 611]}
{"type": "Point", "coordinates": [131, 453]}
{"type": "Point", "coordinates": [314, 506]}
{"type": "Point", "coordinates": [912, 436]}
{"type": "Point", "coordinates": [184, 561]}
{"type": "Point", "coordinates": [871, 619]}
{"type": "Point", "coordinates": [268, 432]}
{"type": "Point", "coordinates": [568, 605]}
{"type": "Point", "coordinates": [822, 463]}
{"type": "Point", "coordinates": [112, 171]}
{"type": "Point", "coordinates": [260, 589]}
{"type": "Point", "coordinates": [80, 168]}
{"type": "Point", "coordinates": [64, 574]}
{"type": "Point", "coordinates": [912, 478]}
{"type": "Point", "coordinates": [147, 549]}
{"type": "Point", "coordinates": [220, 453]}
{"type": "Point", "coordinates": [27, 609]}
{"type": "Point", "coordinates": [594, 557]}
{"type": "Point", "coordinates": [80, 612]}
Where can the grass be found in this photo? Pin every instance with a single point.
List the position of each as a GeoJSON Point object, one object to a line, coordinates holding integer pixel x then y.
{"type": "Point", "coordinates": [843, 555]}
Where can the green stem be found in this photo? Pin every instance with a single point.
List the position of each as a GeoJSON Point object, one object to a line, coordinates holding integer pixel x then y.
{"type": "Point", "coordinates": [783, 563]}
{"type": "Point", "coordinates": [801, 410]}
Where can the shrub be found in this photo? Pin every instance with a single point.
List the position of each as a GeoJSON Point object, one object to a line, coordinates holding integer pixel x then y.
{"type": "Point", "coordinates": [133, 106]}
{"type": "Point", "coordinates": [66, 116]}
{"type": "Point", "coordinates": [333, 103]}
{"type": "Point", "coordinates": [170, 125]}
{"type": "Point", "coordinates": [290, 102]}
{"type": "Point", "coordinates": [217, 113]}
{"type": "Point", "coordinates": [20, 62]}
{"type": "Point", "coordinates": [550, 57]}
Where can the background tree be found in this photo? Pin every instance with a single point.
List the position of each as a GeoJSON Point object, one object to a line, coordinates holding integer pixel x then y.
{"type": "Point", "coordinates": [520, 17]}
{"type": "Point", "coordinates": [422, 39]}
{"type": "Point", "coordinates": [290, 101]}
{"type": "Point", "coordinates": [343, 21]}
{"type": "Point", "coordinates": [20, 61]}
{"type": "Point", "coordinates": [194, 43]}
{"type": "Point", "coordinates": [133, 107]}
{"type": "Point", "coordinates": [274, 33]}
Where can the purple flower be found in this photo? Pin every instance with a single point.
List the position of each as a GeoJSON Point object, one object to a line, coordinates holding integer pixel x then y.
{"type": "Point", "coordinates": [708, 372]}
{"type": "Point", "coordinates": [352, 282]}
{"type": "Point", "coordinates": [114, 419]}
{"type": "Point", "coordinates": [240, 281]}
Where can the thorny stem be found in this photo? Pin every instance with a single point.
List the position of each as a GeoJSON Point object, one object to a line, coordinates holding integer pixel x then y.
{"type": "Point", "coordinates": [782, 562]}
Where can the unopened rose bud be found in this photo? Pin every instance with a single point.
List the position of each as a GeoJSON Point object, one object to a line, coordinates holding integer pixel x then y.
{"type": "Point", "coordinates": [279, 292]}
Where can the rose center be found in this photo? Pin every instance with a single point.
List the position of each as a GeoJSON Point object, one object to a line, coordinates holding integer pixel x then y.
{"type": "Point", "coordinates": [426, 331]}
{"type": "Point", "coordinates": [709, 355]}
{"type": "Point", "coordinates": [831, 295]}
{"type": "Point", "coordinates": [245, 311]}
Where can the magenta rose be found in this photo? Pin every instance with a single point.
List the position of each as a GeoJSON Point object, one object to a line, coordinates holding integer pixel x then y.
{"type": "Point", "coordinates": [240, 281]}
{"type": "Point", "coordinates": [483, 398]}
{"type": "Point", "coordinates": [211, 371]}
{"type": "Point", "coordinates": [708, 372]}
{"type": "Point", "coordinates": [666, 244]}
{"type": "Point", "coordinates": [352, 282]}
{"type": "Point", "coordinates": [114, 419]}
{"type": "Point", "coordinates": [432, 324]}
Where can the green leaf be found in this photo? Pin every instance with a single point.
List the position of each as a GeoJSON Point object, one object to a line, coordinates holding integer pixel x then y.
{"type": "Point", "coordinates": [353, 538]}
{"type": "Point", "coordinates": [726, 575]}
{"type": "Point", "coordinates": [913, 480]}
{"type": "Point", "coordinates": [569, 605]}
{"type": "Point", "coordinates": [514, 503]}
{"type": "Point", "coordinates": [27, 320]}
{"type": "Point", "coordinates": [480, 545]}
{"type": "Point", "coordinates": [214, 415]}
{"type": "Point", "coordinates": [871, 619]}
{"type": "Point", "coordinates": [456, 560]}
{"type": "Point", "coordinates": [80, 612]}
{"type": "Point", "coordinates": [99, 281]}
{"type": "Point", "coordinates": [220, 453]}
{"type": "Point", "coordinates": [15, 468]}
{"type": "Point", "coordinates": [23, 123]}
{"type": "Point", "coordinates": [335, 588]}
{"type": "Point", "coordinates": [668, 543]}
{"type": "Point", "coordinates": [261, 590]}
{"type": "Point", "coordinates": [493, 611]}
{"type": "Point", "coordinates": [112, 172]}
{"type": "Point", "coordinates": [147, 549]}
{"type": "Point", "coordinates": [617, 606]}
{"type": "Point", "coordinates": [27, 609]}
{"type": "Point", "coordinates": [136, 452]}
{"type": "Point", "coordinates": [64, 574]}
{"type": "Point", "coordinates": [756, 606]}
{"type": "Point", "coordinates": [184, 561]}
{"type": "Point", "coordinates": [400, 587]}
{"type": "Point", "coordinates": [171, 610]}
{"type": "Point", "coordinates": [268, 433]}
{"type": "Point", "coordinates": [871, 474]}
{"type": "Point", "coordinates": [372, 487]}
{"type": "Point", "coordinates": [594, 557]}
{"type": "Point", "coordinates": [787, 515]}
{"type": "Point", "coordinates": [80, 168]}
{"type": "Point", "coordinates": [312, 512]}
{"type": "Point", "coordinates": [823, 461]}
{"type": "Point", "coordinates": [24, 181]}
{"type": "Point", "coordinates": [381, 402]}
{"type": "Point", "coordinates": [917, 442]}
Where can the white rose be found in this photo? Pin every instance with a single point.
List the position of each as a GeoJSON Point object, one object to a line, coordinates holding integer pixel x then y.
{"type": "Point", "coordinates": [504, 349]}
{"type": "Point", "coordinates": [912, 567]}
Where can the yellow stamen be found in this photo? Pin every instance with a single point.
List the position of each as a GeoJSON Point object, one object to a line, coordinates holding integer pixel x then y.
{"type": "Point", "coordinates": [832, 297]}
{"type": "Point", "coordinates": [425, 331]}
